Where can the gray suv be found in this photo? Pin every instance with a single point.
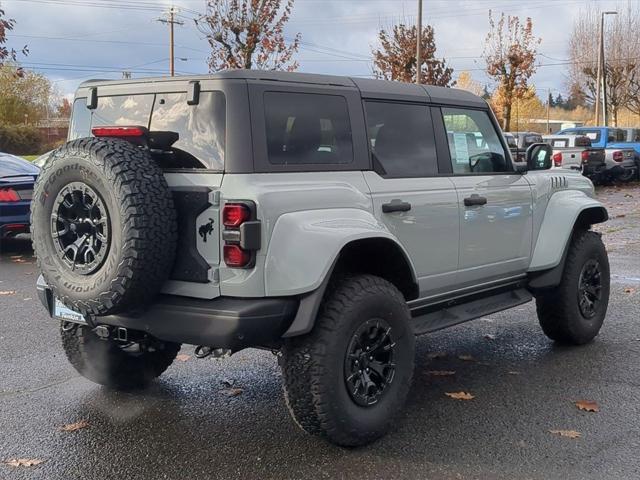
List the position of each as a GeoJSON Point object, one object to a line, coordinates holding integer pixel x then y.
{"type": "Point", "coordinates": [328, 219]}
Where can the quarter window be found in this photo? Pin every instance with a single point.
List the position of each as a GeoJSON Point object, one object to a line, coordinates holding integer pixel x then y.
{"type": "Point", "coordinates": [401, 138]}
{"type": "Point", "coordinates": [80, 120]}
{"type": "Point", "coordinates": [474, 143]}
{"type": "Point", "coordinates": [307, 129]}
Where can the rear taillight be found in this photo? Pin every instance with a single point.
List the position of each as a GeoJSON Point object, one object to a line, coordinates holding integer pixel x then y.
{"type": "Point", "coordinates": [618, 156]}
{"type": "Point", "coordinates": [235, 214]}
{"type": "Point", "coordinates": [9, 195]}
{"type": "Point", "coordinates": [241, 234]}
{"type": "Point", "coordinates": [557, 159]}
{"type": "Point", "coordinates": [585, 156]}
{"type": "Point", "coordinates": [234, 256]}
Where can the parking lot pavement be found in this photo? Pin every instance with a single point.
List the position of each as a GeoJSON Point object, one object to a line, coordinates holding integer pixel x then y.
{"type": "Point", "coordinates": [186, 426]}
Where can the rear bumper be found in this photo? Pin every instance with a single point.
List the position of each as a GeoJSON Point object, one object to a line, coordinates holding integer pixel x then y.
{"type": "Point", "coordinates": [225, 322]}
{"type": "Point", "coordinates": [12, 222]}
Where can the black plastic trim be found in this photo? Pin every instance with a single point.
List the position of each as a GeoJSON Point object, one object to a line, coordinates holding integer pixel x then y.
{"type": "Point", "coordinates": [189, 265]}
{"type": "Point", "coordinates": [225, 322]}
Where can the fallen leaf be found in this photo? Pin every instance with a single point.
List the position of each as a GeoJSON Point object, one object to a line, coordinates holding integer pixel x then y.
{"type": "Point", "coordinates": [23, 462]}
{"type": "Point", "coordinates": [7, 292]}
{"type": "Point", "coordinates": [232, 392]}
{"type": "Point", "coordinates": [182, 357]}
{"type": "Point", "coordinates": [441, 373]}
{"type": "Point", "coordinates": [620, 215]}
{"type": "Point", "coordinates": [566, 433]}
{"type": "Point", "coordinates": [226, 383]}
{"type": "Point", "coordinates": [466, 358]}
{"type": "Point", "coordinates": [587, 406]}
{"type": "Point", "coordinates": [72, 427]}
{"type": "Point", "coordinates": [27, 298]}
{"type": "Point", "coordinates": [437, 355]}
{"type": "Point", "coordinates": [488, 336]}
{"type": "Point", "coordinates": [460, 395]}
{"type": "Point", "coordinates": [513, 372]}
{"type": "Point", "coordinates": [629, 290]}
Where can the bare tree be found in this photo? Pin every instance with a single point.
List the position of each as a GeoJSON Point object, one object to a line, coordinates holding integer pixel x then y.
{"type": "Point", "coordinates": [249, 34]}
{"type": "Point", "coordinates": [510, 53]}
{"type": "Point", "coordinates": [396, 57]}
{"type": "Point", "coordinates": [622, 56]}
{"type": "Point", "coordinates": [6, 53]}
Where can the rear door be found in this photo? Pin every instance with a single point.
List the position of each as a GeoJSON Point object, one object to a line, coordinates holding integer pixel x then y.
{"type": "Point", "coordinates": [417, 206]}
{"type": "Point", "coordinates": [495, 203]}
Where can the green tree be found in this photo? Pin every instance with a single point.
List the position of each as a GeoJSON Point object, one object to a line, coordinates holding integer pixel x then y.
{"type": "Point", "coordinates": [25, 98]}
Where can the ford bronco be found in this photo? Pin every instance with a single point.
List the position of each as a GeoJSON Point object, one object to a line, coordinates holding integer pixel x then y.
{"type": "Point", "coordinates": [328, 219]}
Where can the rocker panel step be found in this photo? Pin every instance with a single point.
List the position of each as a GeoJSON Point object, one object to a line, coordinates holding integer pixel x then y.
{"type": "Point", "coordinates": [448, 316]}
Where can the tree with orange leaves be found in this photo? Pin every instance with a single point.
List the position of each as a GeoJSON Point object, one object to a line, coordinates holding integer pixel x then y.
{"type": "Point", "coordinates": [510, 53]}
{"type": "Point", "coordinates": [396, 57]}
{"type": "Point", "coordinates": [249, 34]}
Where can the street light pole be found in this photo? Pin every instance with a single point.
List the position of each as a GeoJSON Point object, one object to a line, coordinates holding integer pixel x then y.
{"type": "Point", "coordinates": [419, 43]}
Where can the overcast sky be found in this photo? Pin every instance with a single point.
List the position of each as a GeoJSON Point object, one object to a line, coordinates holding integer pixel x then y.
{"type": "Point", "coordinates": [73, 40]}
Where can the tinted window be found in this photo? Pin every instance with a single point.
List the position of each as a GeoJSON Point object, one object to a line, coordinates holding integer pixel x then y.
{"type": "Point", "coordinates": [402, 141]}
{"type": "Point", "coordinates": [474, 143]}
{"type": "Point", "coordinates": [307, 129]}
{"type": "Point", "coordinates": [123, 110]}
{"type": "Point", "coordinates": [201, 128]}
{"type": "Point", "coordinates": [80, 120]}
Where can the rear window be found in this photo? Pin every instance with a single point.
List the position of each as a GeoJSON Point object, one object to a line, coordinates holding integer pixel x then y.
{"type": "Point", "coordinates": [201, 128]}
{"type": "Point", "coordinates": [307, 129]}
{"type": "Point", "coordinates": [123, 110]}
{"type": "Point", "coordinates": [402, 139]}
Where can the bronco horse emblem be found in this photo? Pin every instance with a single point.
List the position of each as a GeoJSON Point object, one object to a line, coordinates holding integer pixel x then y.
{"type": "Point", "coordinates": [206, 229]}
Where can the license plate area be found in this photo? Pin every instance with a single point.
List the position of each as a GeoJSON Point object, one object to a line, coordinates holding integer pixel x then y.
{"type": "Point", "coordinates": [62, 312]}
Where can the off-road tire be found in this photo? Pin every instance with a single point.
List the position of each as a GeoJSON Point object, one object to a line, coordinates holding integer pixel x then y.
{"type": "Point", "coordinates": [313, 365]}
{"type": "Point", "coordinates": [107, 363]}
{"type": "Point", "coordinates": [558, 308]}
{"type": "Point", "coordinates": [143, 226]}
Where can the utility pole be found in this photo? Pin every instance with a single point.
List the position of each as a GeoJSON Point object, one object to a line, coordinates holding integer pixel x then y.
{"type": "Point", "coordinates": [170, 19]}
{"type": "Point", "coordinates": [419, 43]}
{"type": "Point", "coordinates": [548, 110]}
{"type": "Point", "coordinates": [601, 85]}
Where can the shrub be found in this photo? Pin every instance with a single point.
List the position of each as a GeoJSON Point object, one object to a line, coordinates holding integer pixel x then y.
{"type": "Point", "coordinates": [20, 140]}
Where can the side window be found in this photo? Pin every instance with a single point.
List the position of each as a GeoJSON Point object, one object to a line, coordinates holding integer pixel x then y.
{"type": "Point", "coordinates": [307, 129]}
{"type": "Point", "coordinates": [201, 128]}
{"type": "Point", "coordinates": [123, 110]}
{"type": "Point", "coordinates": [402, 139]}
{"type": "Point", "coordinates": [80, 120]}
{"type": "Point", "coordinates": [474, 143]}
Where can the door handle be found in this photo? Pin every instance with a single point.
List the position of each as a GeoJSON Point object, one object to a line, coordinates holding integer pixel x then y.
{"type": "Point", "coordinates": [396, 205]}
{"type": "Point", "coordinates": [474, 200]}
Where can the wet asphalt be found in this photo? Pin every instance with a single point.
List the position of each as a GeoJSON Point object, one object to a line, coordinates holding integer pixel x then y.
{"type": "Point", "coordinates": [187, 426]}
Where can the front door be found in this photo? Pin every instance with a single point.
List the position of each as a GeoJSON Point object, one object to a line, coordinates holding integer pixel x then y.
{"type": "Point", "coordinates": [495, 203]}
{"type": "Point", "coordinates": [417, 206]}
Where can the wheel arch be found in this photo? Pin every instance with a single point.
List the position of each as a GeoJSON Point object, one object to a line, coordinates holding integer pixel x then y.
{"type": "Point", "coordinates": [580, 213]}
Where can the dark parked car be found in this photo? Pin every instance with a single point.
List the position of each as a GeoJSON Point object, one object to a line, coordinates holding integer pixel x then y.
{"type": "Point", "coordinates": [17, 177]}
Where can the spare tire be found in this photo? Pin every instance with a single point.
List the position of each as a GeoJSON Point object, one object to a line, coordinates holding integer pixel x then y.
{"type": "Point", "coordinates": [103, 226]}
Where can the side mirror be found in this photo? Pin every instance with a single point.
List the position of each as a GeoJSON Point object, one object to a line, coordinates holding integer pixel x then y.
{"type": "Point", "coordinates": [539, 156]}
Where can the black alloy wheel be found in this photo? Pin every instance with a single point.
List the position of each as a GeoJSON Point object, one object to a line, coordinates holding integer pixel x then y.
{"type": "Point", "coordinates": [80, 228]}
{"type": "Point", "coordinates": [590, 288]}
{"type": "Point", "coordinates": [369, 365]}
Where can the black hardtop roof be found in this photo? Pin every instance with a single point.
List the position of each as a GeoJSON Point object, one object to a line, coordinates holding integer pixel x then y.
{"type": "Point", "coordinates": [369, 88]}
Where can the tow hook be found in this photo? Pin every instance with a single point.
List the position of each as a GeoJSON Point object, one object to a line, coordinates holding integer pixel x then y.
{"type": "Point", "coordinates": [203, 352]}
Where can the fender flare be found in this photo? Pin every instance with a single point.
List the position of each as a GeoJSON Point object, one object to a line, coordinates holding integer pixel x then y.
{"type": "Point", "coordinates": [304, 250]}
{"type": "Point", "coordinates": [304, 246]}
{"type": "Point", "coordinates": [564, 210]}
